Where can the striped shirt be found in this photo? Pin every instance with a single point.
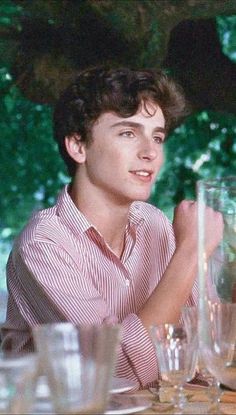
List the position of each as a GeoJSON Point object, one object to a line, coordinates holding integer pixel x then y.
{"type": "Point", "coordinates": [61, 269]}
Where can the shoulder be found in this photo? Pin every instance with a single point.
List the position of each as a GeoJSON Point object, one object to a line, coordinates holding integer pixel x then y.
{"type": "Point", "coordinates": [46, 225]}
{"type": "Point", "coordinates": [41, 227]}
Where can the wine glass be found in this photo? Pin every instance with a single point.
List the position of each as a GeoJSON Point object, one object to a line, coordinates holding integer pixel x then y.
{"type": "Point", "coordinates": [176, 354]}
{"type": "Point", "coordinates": [218, 348]}
{"type": "Point", "coordinates": [190, 317]}
{"type": "Point", "coordinates": [217, 281]}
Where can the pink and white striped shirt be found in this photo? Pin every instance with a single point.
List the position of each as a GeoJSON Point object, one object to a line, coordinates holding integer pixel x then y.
{"type": "Point", "coordinates": [61, 269]}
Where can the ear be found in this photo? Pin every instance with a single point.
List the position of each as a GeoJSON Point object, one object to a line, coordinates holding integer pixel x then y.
{"type": "Point", "coordinates": [75, 148]}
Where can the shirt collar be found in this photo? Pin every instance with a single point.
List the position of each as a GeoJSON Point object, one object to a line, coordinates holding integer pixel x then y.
{"type": "Point", "coordinates": [135, 216]}
{"type": "Point", "coordinates": [70, 214]}
{"type": "Point", "coordinates": [76, 220]}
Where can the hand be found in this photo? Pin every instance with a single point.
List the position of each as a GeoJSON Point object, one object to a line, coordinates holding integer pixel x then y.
{"type": "Point", "coordinates": [185, 227]}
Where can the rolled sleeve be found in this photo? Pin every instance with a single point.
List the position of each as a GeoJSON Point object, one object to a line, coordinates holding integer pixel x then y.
{"type": "Point", "coordinates": [69, 296]}
{"type": "Point", "coordinates": [137, 357]}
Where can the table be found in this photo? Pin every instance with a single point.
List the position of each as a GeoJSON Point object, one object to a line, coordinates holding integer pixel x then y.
{"type": "Point", "coordinates": [198, 401]}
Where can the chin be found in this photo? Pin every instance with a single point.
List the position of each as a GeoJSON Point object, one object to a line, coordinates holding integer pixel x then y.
{"type": "Point", "coordinates": [126, 198]}
{"type": "Point", "coordinates": [142, 197]}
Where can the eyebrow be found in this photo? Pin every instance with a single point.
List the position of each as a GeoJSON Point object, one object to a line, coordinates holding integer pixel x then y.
{"type": "Point", "coordinates": [136, 125]}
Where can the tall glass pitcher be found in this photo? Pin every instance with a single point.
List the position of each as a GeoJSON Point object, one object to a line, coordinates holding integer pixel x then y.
{"type": "Point", "coordinates": [217, 281]}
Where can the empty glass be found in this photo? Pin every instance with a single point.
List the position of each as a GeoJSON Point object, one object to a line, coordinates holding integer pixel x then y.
{"type": "Point", "coordinates": [190, 317]}
{"type": "Point", "coordinates": [177, 356]}
{"type": "Point", "coordinates": [217, 280]}
{"type": "Point", "coordinates": [218, 347]}
{"type": "Point", "coordinates": [78, 363]}
{"type": "Point", "coordinates": [17, 383]}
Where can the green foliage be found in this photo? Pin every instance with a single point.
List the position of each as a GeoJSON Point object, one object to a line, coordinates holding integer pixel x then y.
{"type": "Point", "coordinates": [203, 147]}
{"type": "Point", "coordinates": [9, 13]}
{"type": "Point", "coordinates": [31, 171]}
{"type": "Point", "coordinates": [227, 32]}
{"type": "Point", "coordinates": [9, 18]}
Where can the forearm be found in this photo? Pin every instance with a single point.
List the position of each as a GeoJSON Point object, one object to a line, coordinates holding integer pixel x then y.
{"type": "Point", "coordinates": [164, 304]}
{"type": "Point", "coordinates": [136, 358]}
{"type": "Point", "coordinates": [172, 292]}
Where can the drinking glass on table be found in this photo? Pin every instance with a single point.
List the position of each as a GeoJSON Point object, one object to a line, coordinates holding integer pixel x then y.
{"type": "Point", "coordinates": [177, 355]}
{"type": "Point", "coordinates": [78, 363]}
{"type": "Point", "coordinates": [218, 349]}
{"type": "Point", "coordinates": [17, 382]}
{"type": "Point", "coordinates": [217, 281]}
{"type": "Point", "coordinates": [190, 317]}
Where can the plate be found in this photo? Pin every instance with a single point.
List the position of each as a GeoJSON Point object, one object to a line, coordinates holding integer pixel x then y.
{"type": "Point", "coordinates": [119, 385]}
{"type": "Point", "coordinates": [118, 405]}
{"type": "Point", "coordinates": [124, 404]}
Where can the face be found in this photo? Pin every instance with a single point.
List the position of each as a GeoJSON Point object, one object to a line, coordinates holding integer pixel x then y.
{"type": "Point", "coordinates": [125, 155]}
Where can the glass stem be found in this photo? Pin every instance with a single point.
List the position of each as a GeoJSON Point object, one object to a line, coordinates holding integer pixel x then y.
{"type": "Point", "coordinates": [179, 399]}
{"type": "Point", "coordinates": [215, 395]}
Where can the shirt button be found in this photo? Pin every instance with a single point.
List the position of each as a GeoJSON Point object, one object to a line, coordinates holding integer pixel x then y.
{"type": "Point", "coordinates": [127, 283]}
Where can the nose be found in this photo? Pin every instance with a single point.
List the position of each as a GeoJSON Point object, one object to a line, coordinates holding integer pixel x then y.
{"type": "Point", "coordinates": [148, 150]}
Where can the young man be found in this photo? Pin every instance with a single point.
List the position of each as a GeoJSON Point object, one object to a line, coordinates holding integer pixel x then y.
{"type": "Point", "coordinates": [101, 254]}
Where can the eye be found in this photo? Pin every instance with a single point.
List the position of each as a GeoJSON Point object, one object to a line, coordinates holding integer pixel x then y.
{"type": "Point", "coordinates": [159, 139]}
{"type": "Point", "coordinates": [127, 133]}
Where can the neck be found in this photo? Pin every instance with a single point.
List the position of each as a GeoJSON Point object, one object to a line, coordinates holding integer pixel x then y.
{"type": "Point", "coordinates": [109, 218]}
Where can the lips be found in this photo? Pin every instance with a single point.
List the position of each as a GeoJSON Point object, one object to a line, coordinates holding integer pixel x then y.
{"type": "Point", "coordinates": [143, 174]}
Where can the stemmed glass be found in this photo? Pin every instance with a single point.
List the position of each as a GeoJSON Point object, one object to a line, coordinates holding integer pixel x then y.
{"type": "Point", "coordinates": [218, 348]}
{"type": "Point", "coordinates": [177, 355]}
{"type": "Point", "coordinates": [217, 281]}
{"type": "Point", "coordinates": [190, 317]}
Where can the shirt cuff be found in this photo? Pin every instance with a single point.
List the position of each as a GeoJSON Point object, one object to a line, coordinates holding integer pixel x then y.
{"type": "Point", "coordinates": [138, 351]}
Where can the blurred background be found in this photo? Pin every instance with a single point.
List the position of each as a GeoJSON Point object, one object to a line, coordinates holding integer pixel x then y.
{"type": "Point", "coordinates": [43, 43]}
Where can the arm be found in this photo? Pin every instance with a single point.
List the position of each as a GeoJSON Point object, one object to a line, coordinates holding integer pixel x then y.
{"type": "Point", "coordinates": [47, 285]}
{"type": "Point", "coordinates": [164, 304]}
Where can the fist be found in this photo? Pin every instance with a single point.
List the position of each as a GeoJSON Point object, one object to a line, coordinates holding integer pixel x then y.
{"type": "Point", "coordinates": [186, 227]}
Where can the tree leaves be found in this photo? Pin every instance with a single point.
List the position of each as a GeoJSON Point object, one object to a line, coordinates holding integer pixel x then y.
{"type": "Point", "coordinates": [42, 45]}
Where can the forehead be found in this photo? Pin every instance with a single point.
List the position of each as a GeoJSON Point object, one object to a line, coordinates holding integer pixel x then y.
{"type": "Point", "coordinates": [148, 114]}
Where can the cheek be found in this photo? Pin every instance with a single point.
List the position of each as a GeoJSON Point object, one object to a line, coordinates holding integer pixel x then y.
{"type": "Point", "coordinates": [160, 160]}
{"type": "Point", "coordinates": [107, 158]}
{"type": "Point", "coordinates": [115, 157]}
{"type": "Point", "coordinates": [94, 155]}
{"type": "Point", "coordinates": [162, 155]}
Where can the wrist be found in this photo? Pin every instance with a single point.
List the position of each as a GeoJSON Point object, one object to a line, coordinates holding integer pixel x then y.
{"type": "Point", "coordinates": [187, 252]}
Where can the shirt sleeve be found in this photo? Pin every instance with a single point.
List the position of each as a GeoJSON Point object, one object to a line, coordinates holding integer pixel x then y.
{"type": "Point", "coordinates": [47, 284]}
{"type": "Point", "coordinates": [45, 292]}
{"type": "Point", "coordinates": [137, 360]}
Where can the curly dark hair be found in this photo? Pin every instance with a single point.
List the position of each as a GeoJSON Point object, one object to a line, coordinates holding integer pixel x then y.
{"type": "Point", "coordinates": [99, 90]}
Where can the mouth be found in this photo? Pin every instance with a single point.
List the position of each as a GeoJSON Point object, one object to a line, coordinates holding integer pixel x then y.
{"type": "Point", "coordinates": [144, 175]}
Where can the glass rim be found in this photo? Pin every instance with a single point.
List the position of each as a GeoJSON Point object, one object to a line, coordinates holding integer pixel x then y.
{"type": "Point", "coordinates": [69, 325]}
{"type": "Point", "coordinates": [224, 182]}
{"type": "Point", "coordinates": [17, 360]}
{"type": "Point", "coordinates": [165, 325]}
